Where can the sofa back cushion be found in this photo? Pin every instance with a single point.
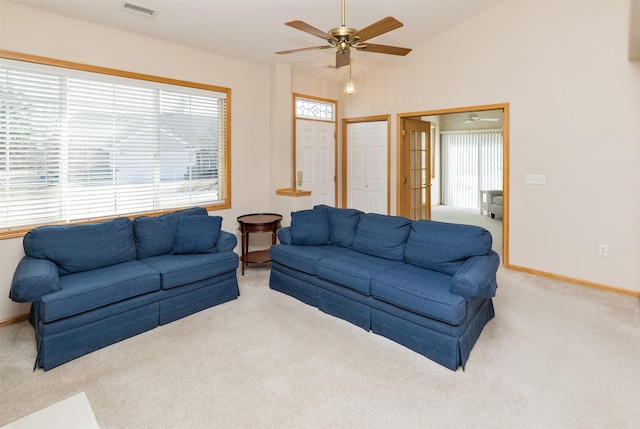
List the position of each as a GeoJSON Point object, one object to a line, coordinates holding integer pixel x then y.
{"type": "Point", "coordinates": [155, 235]}
{"type": "Point", "coordinates": [382, 236]}
{"type": "Point", "coordinates": [197, 234]}
{"type": "Point", "coordinates": [444, 247]}
{"type": "Point", "coordinates": [77, 248]}
{"type": "Point", "coordinates": [310, 227]}
{"type": "Point", "coordinates": [343, 224]}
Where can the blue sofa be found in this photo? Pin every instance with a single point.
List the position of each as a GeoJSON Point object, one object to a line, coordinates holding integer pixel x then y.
{"type": "Point", "coordinates": [92, 285]}
{"type": "Point", "coordinates": [424, 284]}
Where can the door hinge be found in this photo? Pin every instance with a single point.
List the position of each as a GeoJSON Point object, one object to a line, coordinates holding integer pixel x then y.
{"type": "Point", "coordinates": [404, 133]}
{"type": "Point", "coordinates": [404, 180]}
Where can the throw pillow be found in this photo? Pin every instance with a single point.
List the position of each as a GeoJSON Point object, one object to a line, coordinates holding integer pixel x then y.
{"type": "Point", "coordinates": [342, 223]}
{"type": "Point", "coordinates": [197, 234]}
{"type": "Point", "coordinates": [310, 227]}
{"type": "Point", "coordinates": [155, 235]}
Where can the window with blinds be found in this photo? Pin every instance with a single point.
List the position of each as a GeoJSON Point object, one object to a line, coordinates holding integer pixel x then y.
{"type": "Point", "coordinates": [78, 145]}
{"type": "Point", "coordinates": [471, 161]}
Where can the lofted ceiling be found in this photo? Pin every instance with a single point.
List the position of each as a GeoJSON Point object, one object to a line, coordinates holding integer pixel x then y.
{"type": "Point", "coordinates": [253, 30]}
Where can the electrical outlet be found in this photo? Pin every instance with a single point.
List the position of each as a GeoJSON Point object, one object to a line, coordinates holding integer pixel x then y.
{"type": "Point", "coordinates": [535, 179]}
{"type": "Point", "coordinates": [603, 250]}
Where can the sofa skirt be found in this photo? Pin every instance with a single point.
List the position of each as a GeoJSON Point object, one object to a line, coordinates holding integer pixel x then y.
{"type": "Point", "coordinates": [449, 351]}
{"type": "Point", "coordinates": [285, 280]}
{"type": "Point", "coordinates": [347, 309]}
{"type": "Point", "coordinates": [58, 348]}
{"type": "Point", "coordinates": [179, 302]}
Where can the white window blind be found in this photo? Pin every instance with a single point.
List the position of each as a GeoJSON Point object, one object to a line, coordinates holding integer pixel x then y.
{"type": "Point", "coordinates": [76, 145]}
{"type": "Point", "coordinates": [471, 161]}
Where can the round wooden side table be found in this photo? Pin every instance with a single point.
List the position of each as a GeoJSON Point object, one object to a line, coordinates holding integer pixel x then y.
{"type": "Point", "coordinates": [257, 222]}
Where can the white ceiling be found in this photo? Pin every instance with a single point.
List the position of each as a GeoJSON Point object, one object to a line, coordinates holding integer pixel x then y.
{"type": "Point", "coordinates": [253, 30]}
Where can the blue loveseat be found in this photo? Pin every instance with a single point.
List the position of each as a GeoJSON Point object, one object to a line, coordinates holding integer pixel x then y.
{"type": "Point", "coordinates": [92, 285]}
{"type": "Point", "coordinates": [424, 284]}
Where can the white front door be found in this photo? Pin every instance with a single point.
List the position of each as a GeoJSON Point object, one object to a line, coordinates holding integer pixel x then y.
{"type": "Point", "coordinates": [315, 160]}
{"type": "Point", "coordinates": [367, 171]}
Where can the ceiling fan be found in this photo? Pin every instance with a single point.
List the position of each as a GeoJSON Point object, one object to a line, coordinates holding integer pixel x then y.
{"type": "Point", "coordinates": [473, 117]}
{"type": "Point", "coordinates": [344, 38]}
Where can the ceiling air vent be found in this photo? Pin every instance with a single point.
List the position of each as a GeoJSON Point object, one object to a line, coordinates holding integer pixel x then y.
{"type": "Point", "coordinates": [132, 7]}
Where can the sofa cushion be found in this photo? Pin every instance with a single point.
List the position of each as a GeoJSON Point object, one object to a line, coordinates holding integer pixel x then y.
{"type": "Point", "coordinates": [420, 291]}
{"type": "Point", "coordinates": [87, 318]}
{"type": "Point", "coordinates": [197, 234]}
{"type": "Point", "coordinates": [353, 270]}
{"type": "Point", "coordinates": [84, 247]}
{"type": "Point", "coordinates": [382, 236]}
{"type": "Point", "coordinates": [93, 289]}
{"type": "Point", "coordinates": [310, 227]}
{"type": "Point", "coordinates": [179, 270]}
{"type": "Point", "coordinates": [343, 224]}
{"type": "Point", "coordinates": [444, 247]}
{"type": "Point", "coordinates": [303, 258]}
{"type": "Point", "coordinates": [155, 235]}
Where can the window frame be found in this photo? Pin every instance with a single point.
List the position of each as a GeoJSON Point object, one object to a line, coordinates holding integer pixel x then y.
{"type": "Point", "coordinates": [225, 173]}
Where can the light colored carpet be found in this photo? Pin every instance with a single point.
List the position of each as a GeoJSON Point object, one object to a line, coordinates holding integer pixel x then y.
{"type": "Point", "coordinates": [471, 217]}
{"type": "Point", "coordinates": [556, 356]}
{"type": "Point", "coordinates": [71, 413]}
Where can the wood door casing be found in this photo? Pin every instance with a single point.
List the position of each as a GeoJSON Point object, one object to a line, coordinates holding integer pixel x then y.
{"type": "Point", "coordinates": [505, 107]}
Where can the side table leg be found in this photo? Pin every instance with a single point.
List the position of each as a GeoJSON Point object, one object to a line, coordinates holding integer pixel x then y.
{"type": "Point", "coordinates": [245, 245]}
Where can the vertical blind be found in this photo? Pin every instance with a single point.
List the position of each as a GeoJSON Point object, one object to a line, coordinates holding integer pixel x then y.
{"type": "Point", "coordinates": [472, 161]}
{"type": "Point", "coordinates": [76, 145]}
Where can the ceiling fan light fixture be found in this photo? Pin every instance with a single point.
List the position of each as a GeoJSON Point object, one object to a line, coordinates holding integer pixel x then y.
{"type": "Point", "coordinates": [349, 85]}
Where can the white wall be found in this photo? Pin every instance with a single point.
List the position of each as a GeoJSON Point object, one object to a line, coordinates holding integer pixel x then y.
{"type": "Point", "coordinates": [562, 66]}
{"type": "Point", "coordinates": [34, 32]}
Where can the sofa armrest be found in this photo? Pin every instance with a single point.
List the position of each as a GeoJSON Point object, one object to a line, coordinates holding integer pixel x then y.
{"type": "Point", "coordinates": [284, 235]}
{"type": "Point", "coordinates": [34, 278]}
{"type": "Point", "coordinates": [476, 279]}
{"type": "Point", "coordinates": [227, 242]}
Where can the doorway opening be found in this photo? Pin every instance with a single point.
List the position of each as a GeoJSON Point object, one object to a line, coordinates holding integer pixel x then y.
{"type": "Point", "coordinates": [426, 162]}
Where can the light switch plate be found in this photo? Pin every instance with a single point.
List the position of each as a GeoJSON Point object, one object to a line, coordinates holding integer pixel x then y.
{"type": "Point", "coordinates": [535, 179]}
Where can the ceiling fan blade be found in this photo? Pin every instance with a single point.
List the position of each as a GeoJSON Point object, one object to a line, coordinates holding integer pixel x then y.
{"type": "Point", "coordinates": [489, 119]}
{"type": "Point", "coordinates": [303, 26]}
{"type": "Point", "coordinates": [312, 48]}
{"type": "Point", "coordinates": [383, 49]}
{"type": "Point", "coordinates": [343, 58]}
{"type": "Point", "coordinates": [383, 26]}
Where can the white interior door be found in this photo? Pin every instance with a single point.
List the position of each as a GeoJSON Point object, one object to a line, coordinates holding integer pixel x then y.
{"type": "Point", "coordinates": [315, 160]}
{"type": "Point", "coordinates": [367, 172]}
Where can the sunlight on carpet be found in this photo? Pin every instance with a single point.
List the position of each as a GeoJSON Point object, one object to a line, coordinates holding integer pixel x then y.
{"type": "Point", "coordinates": [72, 413]}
